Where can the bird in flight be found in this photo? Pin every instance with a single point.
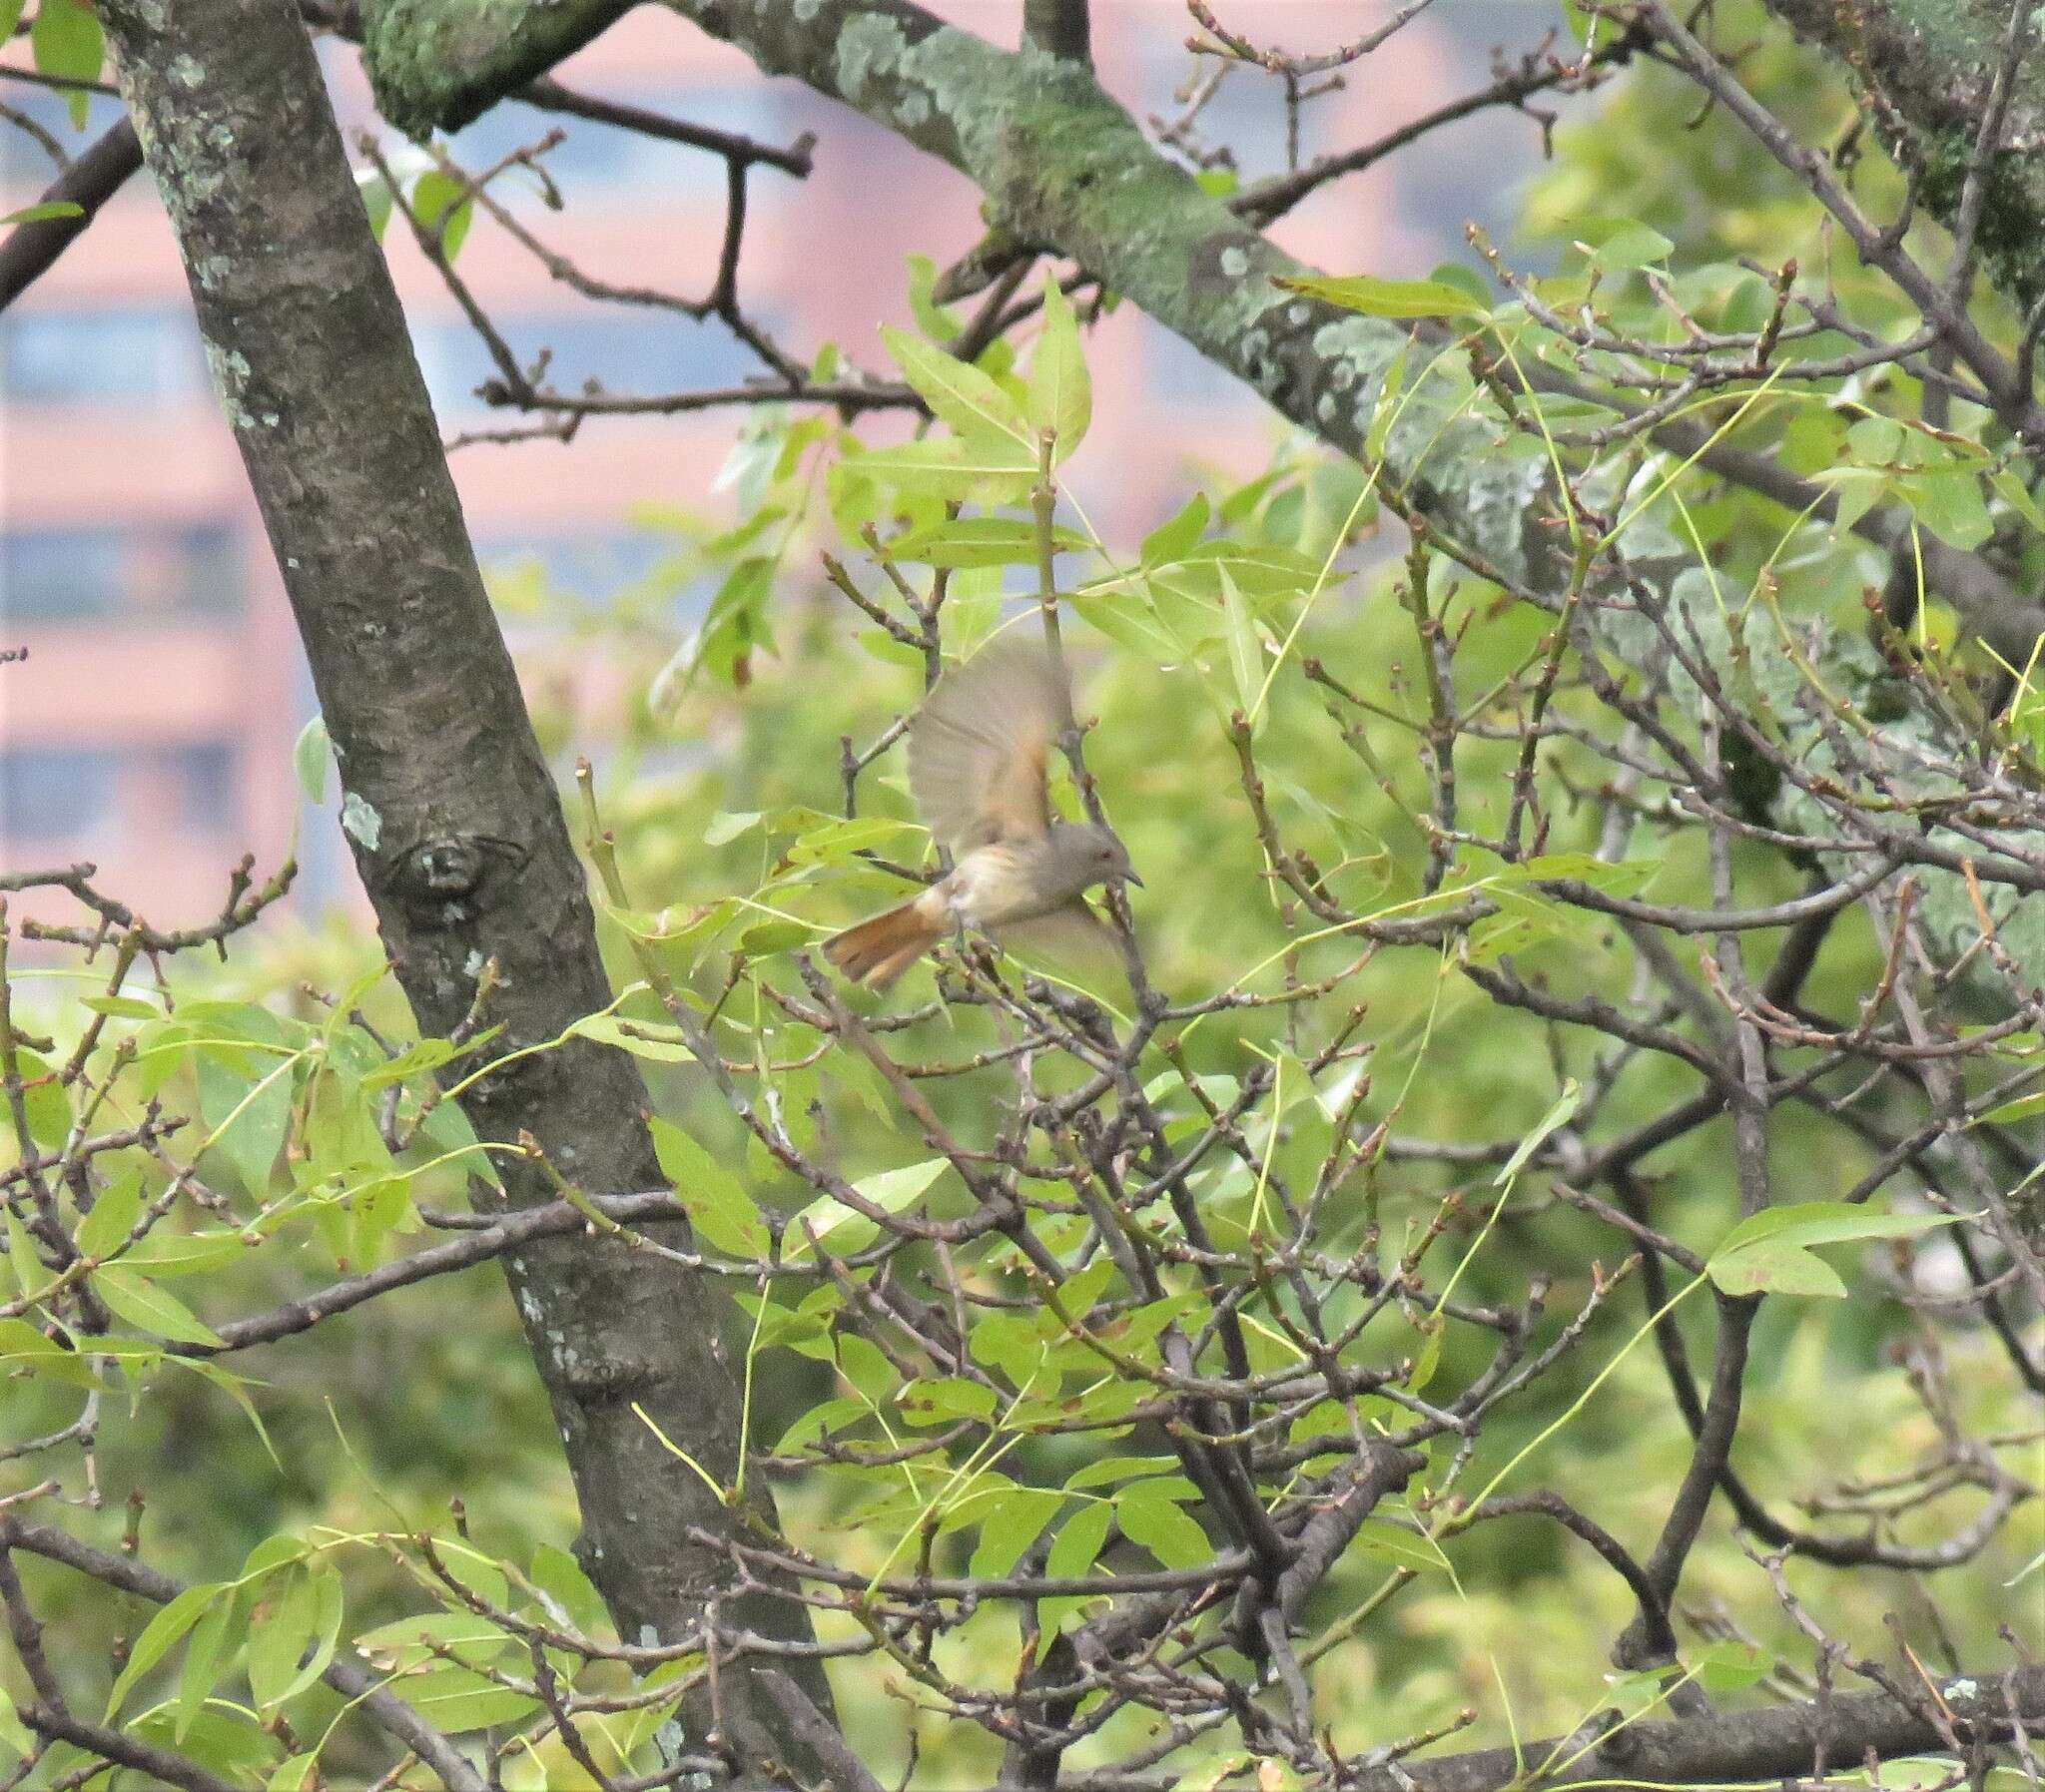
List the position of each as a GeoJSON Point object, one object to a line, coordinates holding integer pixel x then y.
{"type": "Point", "coordinates": [977, 751]}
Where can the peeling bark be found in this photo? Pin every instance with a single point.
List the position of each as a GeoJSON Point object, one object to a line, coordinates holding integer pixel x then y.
{"type": "Point", "coordinates": [452, 813]}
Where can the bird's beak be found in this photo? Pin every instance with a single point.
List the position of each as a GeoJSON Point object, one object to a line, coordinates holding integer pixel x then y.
{"type": "Point", "coordinates": [1129, 876]}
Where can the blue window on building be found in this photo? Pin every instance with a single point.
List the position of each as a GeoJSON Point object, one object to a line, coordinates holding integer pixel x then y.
{"type": "Point", "coordinates": [57, 793]}
{"type": "Point", "coordinates": [62, 575]}
{"type": "Point", "coordinates": [105, 355]}
{"type": "Point", "coordinates": [204, 772]}
{"type": "Point", "coordinates": [80, 574]}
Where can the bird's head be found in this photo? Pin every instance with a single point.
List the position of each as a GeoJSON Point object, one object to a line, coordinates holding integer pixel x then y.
{"type": "Point", "coordinates": [1090, 855]}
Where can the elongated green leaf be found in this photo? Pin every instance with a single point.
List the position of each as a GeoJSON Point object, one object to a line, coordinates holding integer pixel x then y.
{"type": "Point", "coordinates": [960, 395]}
{"type": "Point", "coordinates": [978, 541]}
{"type": "Point", "coordinates": [1245, 652]}
{"type": "Point", "coordinates": [160, 1634]}
{"type": "Point", "coordinates": [455, 1699]}
{"type": "Point", "coordinates": [839, 1228]}
{"type": "Point", "coordinates": [311, 757]}
{"type": "Point", "coordinates": [43, 212]}
{"type": "Point", "coordinates": [1768, 1252]}
{"type": "Point", "coordinates": [559, 1577]}
{"type": "Point", "coordinates": [991, 468]}
{"type": "Point", "coordinates": [112, 1215]}
{"type": "Point", "coordinates": [21, 1345]}
{"type": "Point", "coordinates": [1013, 1521]}
{"type": "Point", "coordinates": [147, 1308]}
{"type": "Point", "coordinates": [1061, 397]}
{"type": "Point", "coordinates": [249, 1114]}
{"type": "Point", "coordinates": [205, 1659]}
{"type": "Point", "coordinates": [1172, 541]}
{"type": "Point", "coordinates": [1557, 1116]}
{"type": "Point", "coordinates": [1162, 1527]}
{"type": "Point", "coordinates": [1078, 1543]}
{"type": "Point", "coordinates": [66, 40]}
{"type": "Point", "coordinates": [1376, 298]}
{"type": "Point", "coordinates": [443, 206]}
{"type": "Point", "coordinates": [715, 1200]}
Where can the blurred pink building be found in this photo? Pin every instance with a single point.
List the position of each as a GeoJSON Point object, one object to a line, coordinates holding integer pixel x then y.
{"type": "Point", "coordinates": [150, 728]}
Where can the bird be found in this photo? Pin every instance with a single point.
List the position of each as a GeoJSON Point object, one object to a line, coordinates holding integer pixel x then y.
{"type": "Point", "coordinates": [977, 751]}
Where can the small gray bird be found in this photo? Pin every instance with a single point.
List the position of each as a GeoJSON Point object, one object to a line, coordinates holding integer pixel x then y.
{"type": "Point", "coordinates": [977, 751]}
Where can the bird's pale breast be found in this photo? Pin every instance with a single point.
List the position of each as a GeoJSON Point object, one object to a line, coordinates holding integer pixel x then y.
{"type": "Point", "coordinates": [1004, 883]}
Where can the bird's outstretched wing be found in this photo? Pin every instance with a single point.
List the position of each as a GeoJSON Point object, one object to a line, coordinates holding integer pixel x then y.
{"type": "Point", "coordinates": [1071, 937]}
{"type": "Point", "coordinates": [979, 746]}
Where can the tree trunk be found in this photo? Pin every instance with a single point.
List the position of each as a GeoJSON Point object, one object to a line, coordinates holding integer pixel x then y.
{"type": "Point", "coordinates": [450, 811]}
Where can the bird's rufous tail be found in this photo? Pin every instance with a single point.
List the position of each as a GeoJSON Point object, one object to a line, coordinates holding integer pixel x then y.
{"type": "Point", "coordinates": [879, 950]}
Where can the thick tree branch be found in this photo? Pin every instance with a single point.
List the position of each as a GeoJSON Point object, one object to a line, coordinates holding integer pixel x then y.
{"type": "Point", "coordinates": [1930, 66]}
{"type": "Point", "coordinates": [90, 181]}
{"type": "Point", "coordinates": [1774, 1742]}
{"type": "Point", "coordinates": [450, 809]}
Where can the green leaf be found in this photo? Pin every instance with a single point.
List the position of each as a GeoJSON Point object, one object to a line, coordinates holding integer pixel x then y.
{"type": "Point", "coordinates": [112, 1215]}
{"type": "Point", "coordinates": [2021, 1109]}
{"type": "Point", "coordinates": [1557, 1116]}
{"type": "Point", "coordinates": [1376, 298]}
{"type": "Point", "coordinates": [1245, 651]}
{"type": "Point", "coordinates": [645, 1040]}
{"type": "Point", "coordinates": [247, 1116]}
{"type": "Point", "coordinates": [447, 1128]}
{"type": "Point", "coordinates": [43, 212]}
{"type": "Point", "coordinates": [1768, 1253]}
{"type": "Point", "coordinates": [946, 1400]}
{"type": "Point", "coordinates": [559, 1577]}
{"type": "Point", "coordinates": [121, 1007]}
{"type": "Point", "coordinates": [937, 321]}
{"type": "Point", "coordinates": [838, 841]}
{"type": "Point", "coordinates": [978, 541]}
{"type": "Point", "coordinates": [1948, 502]}
{"type": "Point", "coordinates": [716, 1202]}
{"type": "Point", "coordinates": [443, 206]}
{"type": "Point", "coordinates": [1630, 245]}
{"type": "Point", "coordinates": [222, 1736]}
{"type": "Point", "coordinates": [22, 1346]}
{"type": "Point", "coordinates": [294, 1774]}
{"type": "Point", "coordinates": [14, 1734]}
{"type": "Point", "coordinates": [1059, 397]}
{"type": "Point", "coordinates": [148, 1307]}
{"type": "Point", "coordinates": [455, 1699]}
{"type": "Point", "coordinates": [1012, 1521]}
{"type": "Point", "coordinates": [959, 394]}
{"type": "Point", "coordinates": [204, 1660]}
{"type": "Point", "coordinates": [67, 41]}
{"type": "Point", "coordinates": [766, 938]}
{"type": "Point", "coordinates": [1079, 1543]}
{"type": "Point", "coordinates": [842, 1229]}
{"type": "Point", "coordinates": [311, 757]}
{"type": "Point", "coordinates": [1726, 1667]}
{"type": "Point", "coordinates": [49, 1107]}
{"type": "Point", "coordinates": [279, 1632]}
{"type": "Point", "coordinates": [160, 1634]}
{"type": "Point", "coordinates": [327, 1599]}
{"type": "Point", "coordinates": [22, 1258]}
{"type": "Point", "coordinates": [377, 201]}
{"type": "Point", "coordinates": [1162, 1527]}
{"type": "Point", "coordinates": [727, 825]}
{"type": "Point", "coordinates": [1171, 541]}
{"type": "Point", "coordinates": [992, 469]}
{"type": "Point", "coordinates": [407, 1642]}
